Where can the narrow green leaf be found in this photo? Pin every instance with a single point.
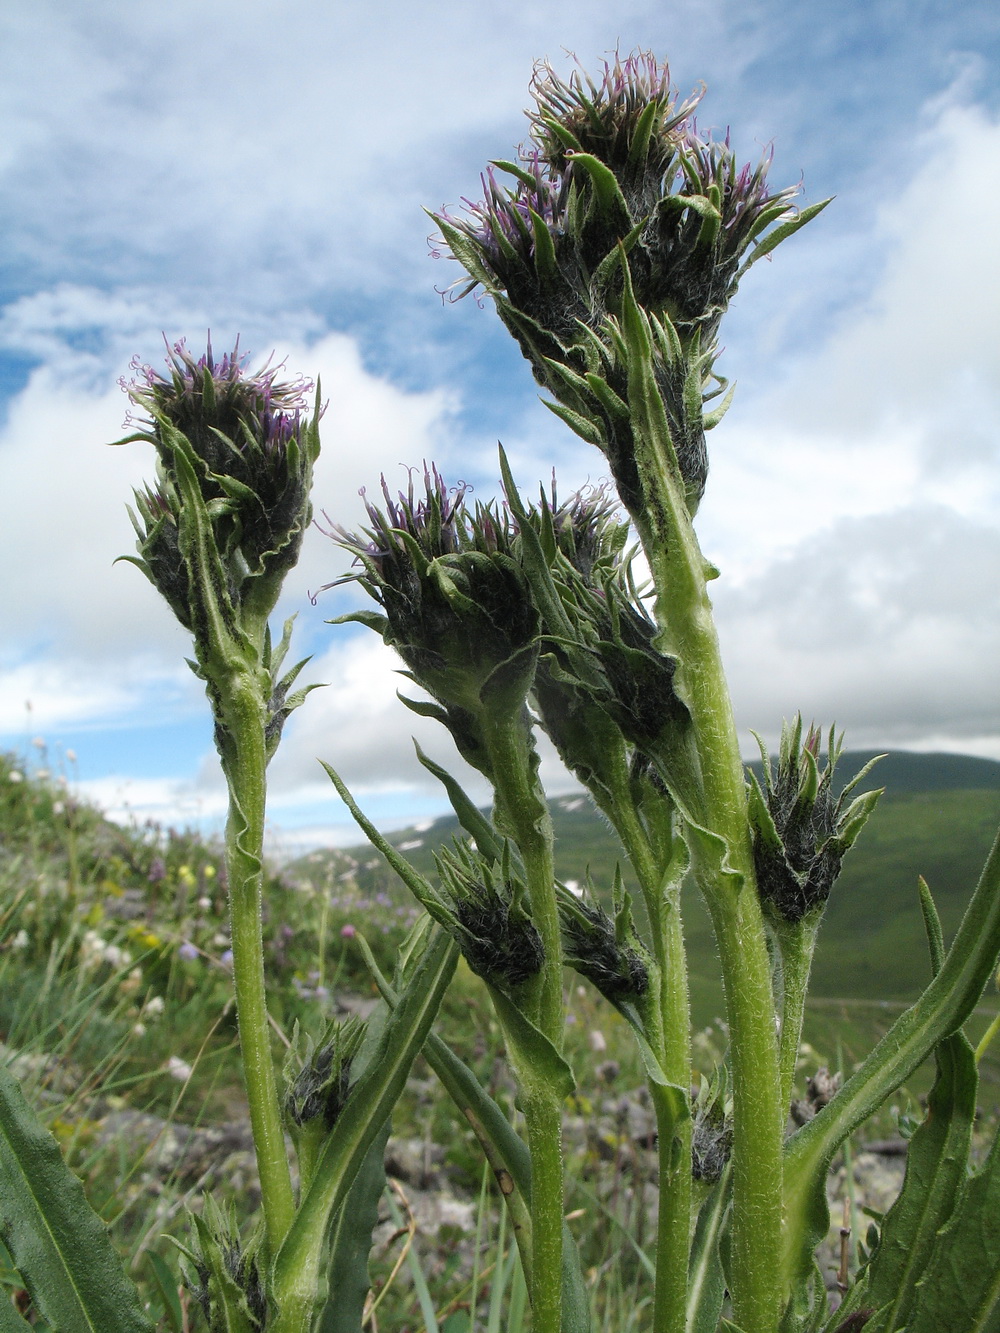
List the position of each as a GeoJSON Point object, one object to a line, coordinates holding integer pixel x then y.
{"type": "Point", "coordinates": [371, 619]}
{"type": "Point", "coordinates": [533, 1055]}
{"type": "Point", "coordinates": [166, 1286]}
{"type": "Point", "coordinates": [607, 192]}
{"type": "Point", "coordinates": [56, 1241]}
{"type": "Point", "coordinates": [938, 1013]}
{"type": "Point", "coordinates": [580, 425]}
{"type": "Point", "coordinates": [469, 815]}
{"type": "Point", "coordinates": [710, 420]}
{"type": "Point", "coordinates": [606, 396]}
{"type": "Point", "coordinates": [706, 1279]}
{"type": "Point", "coordinates": [515, 169]}
{"type": "Point", "coordinates": [421, 889]}
{"type": "Point", "coordinates": [642, 134]}
{"type": "Point", "coordinates": [932, 925]}
{"type": "Point", "coordinates": [545, 250]}
{"type": "Point", "coordinates": [351, 1242]}
{"type": "Point", "coordinates": [774, 238]}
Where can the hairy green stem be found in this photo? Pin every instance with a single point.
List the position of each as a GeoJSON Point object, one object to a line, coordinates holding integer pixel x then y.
{"type": "Point", "coordinates": [671, 1042]}
{"type": "Point", "coordinates": [524, 814]}
{"type": "Point", "coordinates": [246, 776]}
{"type": "Point", "coordinates": [720, 837]}
{"type": "Point", "coordinates": [797, 943]}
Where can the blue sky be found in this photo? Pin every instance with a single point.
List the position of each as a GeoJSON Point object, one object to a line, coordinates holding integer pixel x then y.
{"type": "Point", "coordinates": [262, 168]}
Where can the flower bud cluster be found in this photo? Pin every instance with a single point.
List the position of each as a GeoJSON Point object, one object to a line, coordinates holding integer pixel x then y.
{"type": "Point", "coordinates": [615, 176]}
{"type": "Point", "coordinates": [712, 1128]}
{"type": "Point", "coordinates": [456, 604]}
{"type": "Point", "coordinates": [601, 680]}
{"type": "Point", "coordinates": [222, 1273]}
{"type": "Point", "coordinates": [801, 831]}
{"type": "Point", "coordinates": [319, 1089]}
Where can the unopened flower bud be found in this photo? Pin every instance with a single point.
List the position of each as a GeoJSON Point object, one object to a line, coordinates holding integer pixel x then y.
{"type": "Point", "coordinates": [321, 1085]}
{"type": "Point", "coordinates": [247, 443]}
{"type": "Point", "coordinates": [616, 172]}
{"type": "Point", "coordinates": [493, 926]}
{"type": "Point", "coordinates": [456, 604]}
{"type": "Point", "coordinates": [801, 831]}
{"type": "Point", "coordinates": [603, 949]}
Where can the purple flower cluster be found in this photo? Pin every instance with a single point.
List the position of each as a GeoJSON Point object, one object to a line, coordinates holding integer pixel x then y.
{"type": "Point", "coordinates": [615, 162]}
{"type": "Point", "coordinates": [257, 408]}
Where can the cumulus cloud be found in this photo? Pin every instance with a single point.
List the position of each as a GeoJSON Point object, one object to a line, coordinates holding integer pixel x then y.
{"type": "Point", "coordinates": [888, 625]}
{"type": "Point", "coordinates": [901, 403]}
{"type": "Point", "coordinates": [137, 135]}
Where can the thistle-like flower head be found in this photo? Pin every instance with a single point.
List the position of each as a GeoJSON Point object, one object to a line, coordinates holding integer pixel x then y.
{"type": "Point", "coordinates": [241, 446]}
{"type": "Point", "coordinates": [619, 161]}
{"type": "Point", "coordinates": [456, 603]}
{"type": "Point", "coordinates": [318, 1088]}
{"type": "Point", "coordinates": [801, 830]}
{"type": "Point", "coordinates": [601, 679]}
{"type": "Point", "coordinates": [605, 949]}
{"type": "Point", "coordinates": [615, 175]}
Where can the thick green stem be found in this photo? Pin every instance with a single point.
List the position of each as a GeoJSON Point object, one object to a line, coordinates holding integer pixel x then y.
{"type": "Point", "coordinates": [523, 813]}
{"type": "Point", "coordinates": [726, 877]}
{"type": "Point", "coordinates": [719, 831]}
{"type": "Point", "coordinates": [797, 942]}
{"type": "Point", "coordinates": [246, 775]}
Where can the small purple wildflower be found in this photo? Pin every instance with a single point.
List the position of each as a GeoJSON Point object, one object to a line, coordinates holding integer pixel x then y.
{"type": "Point", "coordinates": [226, 958]}
{"type": "Point", "coordinates": [157, 870]}
{"type": "Point", "coordinates": [347, 931]}
{"type": "Point", "coordinates": [188, 951]}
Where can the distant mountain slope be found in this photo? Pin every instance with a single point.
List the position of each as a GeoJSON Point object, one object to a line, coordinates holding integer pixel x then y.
{"type": "Point", "coordinates": [904, 771]}
{"type": "Point", "coordinates": [937, 819]}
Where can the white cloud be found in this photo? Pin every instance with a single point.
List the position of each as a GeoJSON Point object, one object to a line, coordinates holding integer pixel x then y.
{"type": "Point", "coordinates": [887, 625]}
{"type": "Point", "coordinates": [253, 148]}
{"type": "Point", "coordinates": [176, 803]}
{"type": "Point", "coordinates": [901, 404]}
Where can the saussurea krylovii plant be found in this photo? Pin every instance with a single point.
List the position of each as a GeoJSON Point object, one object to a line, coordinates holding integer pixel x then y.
{"type": "Point", "coordinates": [611, 256]}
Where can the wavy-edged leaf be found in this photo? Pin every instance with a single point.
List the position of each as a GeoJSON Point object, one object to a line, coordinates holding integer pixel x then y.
{"type": "Point", "coordinates": [56, 1240]}
{"type": "Point", "coordinates": [960, 1288]}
